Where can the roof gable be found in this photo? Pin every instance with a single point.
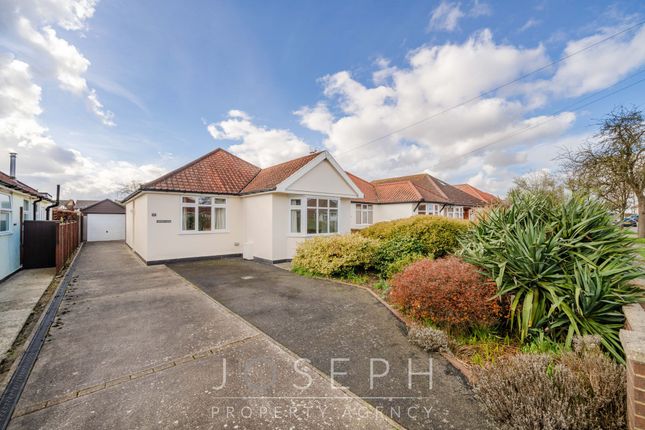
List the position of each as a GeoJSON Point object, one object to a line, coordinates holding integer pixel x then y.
{"type": "Point", "coordinates": [218, 172]}
{"type": "Point", "coordinates": [105, 206]}
{"type": "Point", "coordinates": [321, 178]}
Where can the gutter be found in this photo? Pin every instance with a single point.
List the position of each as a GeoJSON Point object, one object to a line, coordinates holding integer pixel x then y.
{"type": "Point", "coordinates": [40, 199]}
{"type": "Point", "coordinates": [55, 204]}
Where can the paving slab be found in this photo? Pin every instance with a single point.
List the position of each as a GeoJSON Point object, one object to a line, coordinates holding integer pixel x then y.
{"type": "Point", "coordinates": [323, 321]}
{"type": "Point", "coordinates": [140, 347]}
{"type": "Point", "coordinates": [19, 294]}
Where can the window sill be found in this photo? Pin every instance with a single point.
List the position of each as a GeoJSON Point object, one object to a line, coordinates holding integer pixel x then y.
{"type": "Point", "coordinates": [6, 233]}
{"type": "Point", "coordinates": [192, 233]}
{"type": "Point", "coordinates": [307, 235]}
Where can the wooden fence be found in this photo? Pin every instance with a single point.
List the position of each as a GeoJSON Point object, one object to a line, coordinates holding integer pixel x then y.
{"type": "Point", "coordinates": [67, 240]}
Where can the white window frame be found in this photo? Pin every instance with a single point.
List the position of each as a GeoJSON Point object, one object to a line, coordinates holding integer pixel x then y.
{"type": "Point", "coordinates": [429, 209]}
{"type": "Point", "coordinates": [26, 210]}
{"type": "Point", "coordinates": [366, 212]}
{"type": "Point", "coordinates": [214, 204]}
{"type": "Point", "coordinates": [295, 205]}
{"type": "Point", "coordinates": [303, 214]}
{"type": "Point", "coordinates": [454, 212]}
{"type": "Point", "coordinates": [8, 211]}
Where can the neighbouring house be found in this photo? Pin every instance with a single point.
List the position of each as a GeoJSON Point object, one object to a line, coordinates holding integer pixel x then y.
{"type": "Point", "coordinates": [79, 205]}
{"type": "Point", "coordinates": [18, 202]}
{"type": "Point", "coordinates": [220, 205]}
{"type": "Point", "coordinates": [476, 192]}
{"type": "Point", "coordinates": [103, 220]}
{"type": "Point", "coordinates": [404, 196]}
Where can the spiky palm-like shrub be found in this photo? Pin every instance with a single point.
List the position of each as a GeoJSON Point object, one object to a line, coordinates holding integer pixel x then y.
{"type": "Point", "coordinates": [565, 264]}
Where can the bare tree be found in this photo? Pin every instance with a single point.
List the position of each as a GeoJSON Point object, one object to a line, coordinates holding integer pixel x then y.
{"type": "Point", "coordinates": [541, 182]}
{"type": "Point", "coordinates": [127, 188]}
{"type": "Point", "coordinates": [614, 161]}
{"type": "Point", "coordinates": [615, 193]}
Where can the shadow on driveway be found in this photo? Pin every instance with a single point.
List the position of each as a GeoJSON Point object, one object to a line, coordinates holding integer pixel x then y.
{"type": "Point", "coordinates": [321, 320]}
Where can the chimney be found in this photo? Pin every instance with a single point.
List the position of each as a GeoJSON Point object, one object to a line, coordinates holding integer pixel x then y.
{"type": "Point", "coordinates": [12, 165]}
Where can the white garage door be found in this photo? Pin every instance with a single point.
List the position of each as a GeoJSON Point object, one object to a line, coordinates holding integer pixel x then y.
{"type": "Point", "coordinates": [105, 227]}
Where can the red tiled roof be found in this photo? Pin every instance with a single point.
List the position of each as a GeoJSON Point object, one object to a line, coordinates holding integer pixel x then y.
{"type": "Point", "coordinates": [270, 177]}
{"type": "Point", "coordinates": [475, 192]}
{"type": "Point", "coordinates": [403, 191]}
{"type": "Point", "coordinates": [435, 190]}
{"type": "Point", "coordinates": [368, 189]}
{"type": "Point", "coordinates": [413, 188]}
{"type": "Point", "coordinates": [10, 182]}
{"type": "Point", "coordinates": [218, 172]}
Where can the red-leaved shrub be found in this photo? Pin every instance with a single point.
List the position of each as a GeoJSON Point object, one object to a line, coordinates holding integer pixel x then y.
{"type": "Point", "coordinates": [449, 292]}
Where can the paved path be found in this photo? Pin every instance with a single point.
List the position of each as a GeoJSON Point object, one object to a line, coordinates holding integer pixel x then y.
{"type": "Point", "coordinates": [18, 297]}
{"type": "Point", "coordinates": [321, 320]}
{"type": "Point", "coordinates": [139, 347]}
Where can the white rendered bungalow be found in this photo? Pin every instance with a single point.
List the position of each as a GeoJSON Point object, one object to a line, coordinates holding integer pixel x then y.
{"type": "Point", "coordinates": [220, 205]}
{"type": "Point", "coordinates": [18, 202]}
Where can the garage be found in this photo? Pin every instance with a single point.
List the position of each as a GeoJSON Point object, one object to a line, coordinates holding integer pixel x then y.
{"type": "Point", "coordinates": [103, 220]}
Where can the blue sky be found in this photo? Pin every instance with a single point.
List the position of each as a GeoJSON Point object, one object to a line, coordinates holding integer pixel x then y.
{"type": "Point", "coordinates": [101, 93]}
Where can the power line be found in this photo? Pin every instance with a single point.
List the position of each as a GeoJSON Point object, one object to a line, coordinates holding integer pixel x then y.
{"type": "Point", "coordinates": [493, 90]}
{"type": "Point", "coordinates": [552, 117]}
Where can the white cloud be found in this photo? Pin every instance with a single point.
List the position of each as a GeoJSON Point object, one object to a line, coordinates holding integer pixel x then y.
{"type": "Point", "coordinates": [530, 23]}
{"type": "Point", "coordinates": [600, 67]}
{"type": "Point", "coordinates": [259, 145]}
{"type": "Point", "coordinates": [68, 14]}
{"type": "Point", "coordinates": [445, 17]}
{"type": "Point", "coordinates": [41, 161]}
{"type": "Point", "coordinates": [480, 9]}
{"type": "Point", "coordinates": [436, 79]}
{"type": "Point", "coordinates": [32, 22]}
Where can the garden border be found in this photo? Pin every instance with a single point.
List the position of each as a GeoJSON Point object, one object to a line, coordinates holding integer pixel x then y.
{"type": "Point", "coordinates": [462, 367]}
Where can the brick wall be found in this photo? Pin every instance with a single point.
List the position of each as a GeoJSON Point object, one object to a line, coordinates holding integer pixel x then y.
{"type": "Point", "coordinates": [633, 340]}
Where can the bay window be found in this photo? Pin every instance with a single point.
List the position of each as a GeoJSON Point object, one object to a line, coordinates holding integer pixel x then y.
{"type": "Point", "coordinates": [203, 214]}
{"type": "Point", "coordinates": [364, 214]}
{"type": "Point", "coordinates": [320, 215]}
{"type": "Point", "coordinates": [5, 213]}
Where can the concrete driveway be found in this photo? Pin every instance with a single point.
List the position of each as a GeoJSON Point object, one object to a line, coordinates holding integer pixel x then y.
{"type": "Point", "coordinates": [140, 347]}
{"type": "Point", "coordinates": [323, 320]}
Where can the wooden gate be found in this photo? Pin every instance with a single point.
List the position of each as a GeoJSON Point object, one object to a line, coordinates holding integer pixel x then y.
{"type": "Point", "coordinates": [49, 243]}
{"type": "Point", "coordinates": [39, 244]}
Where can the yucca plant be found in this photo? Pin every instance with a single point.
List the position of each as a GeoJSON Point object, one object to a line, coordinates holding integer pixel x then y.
{"type": "Point", "coordinates": [565, 265]}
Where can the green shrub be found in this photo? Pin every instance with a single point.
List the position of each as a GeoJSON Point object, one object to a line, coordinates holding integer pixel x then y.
{"type": "Point", "coordinates": [439, 235]}
{"type": "Point", "coordinates": [566, 265]}
{"type": "Point", "coordinates": [583, 389]}
{"type": "Point", "coordinates": [340, 255]}
{"type": "Point", "coordinates": [395, 249]}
